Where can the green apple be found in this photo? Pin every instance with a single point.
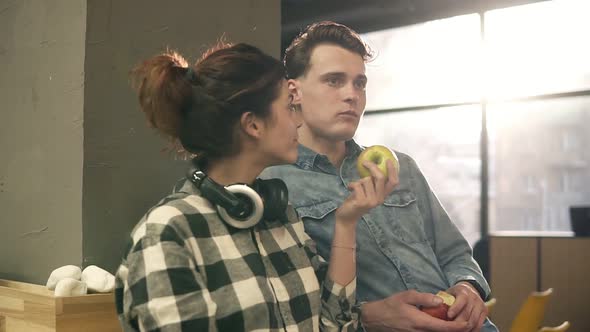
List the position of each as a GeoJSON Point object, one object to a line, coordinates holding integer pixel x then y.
{"type": "Point", "coordinates": [379, 155]}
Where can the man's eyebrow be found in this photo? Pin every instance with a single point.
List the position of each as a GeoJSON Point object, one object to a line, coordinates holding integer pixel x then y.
{"type": "Point", "coordinates": [341, 73]}
{"type": "Point", "coordinates": [333, 74]}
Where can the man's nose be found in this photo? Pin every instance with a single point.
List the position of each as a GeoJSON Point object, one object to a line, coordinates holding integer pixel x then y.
{"type": "Point", "coordinates": [351, 93]}
{"type": "Point", "coordinates": [297, 118]}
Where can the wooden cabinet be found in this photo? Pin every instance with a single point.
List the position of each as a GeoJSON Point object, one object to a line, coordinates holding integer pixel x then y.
{"type": "Point", "coordinates": [513, 275]}
{"type": "Point", "coordinates": [520, 264]}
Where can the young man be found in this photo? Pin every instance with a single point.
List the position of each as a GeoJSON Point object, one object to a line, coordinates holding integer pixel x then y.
{"type": "Point", "coordinates": [407, 246]}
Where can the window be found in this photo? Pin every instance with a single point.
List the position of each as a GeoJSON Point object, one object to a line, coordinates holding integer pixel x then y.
{"type": "Point", "coordinates": [526, 143]}
{"type": "Point", "coordinates": [424, 64]}
{"type": "Point", "coordinates": [537, 49]}
{"type": "Point", "coordinates": [445, 144]}
{"type": "Point", "coordinates": [431, 82]}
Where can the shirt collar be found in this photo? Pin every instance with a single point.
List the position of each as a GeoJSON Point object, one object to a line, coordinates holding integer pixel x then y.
{"type": "Point", "coordinates": [185, 186]}
{"type": "Point", "coordinates": [307, 158]}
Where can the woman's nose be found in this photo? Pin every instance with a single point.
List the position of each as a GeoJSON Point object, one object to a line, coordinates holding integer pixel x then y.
{"type": "Point", "coordinates": [298, 119]}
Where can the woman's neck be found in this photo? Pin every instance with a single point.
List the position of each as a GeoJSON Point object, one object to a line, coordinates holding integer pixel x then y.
{"type": "Point", "coordinates": [235, 169]}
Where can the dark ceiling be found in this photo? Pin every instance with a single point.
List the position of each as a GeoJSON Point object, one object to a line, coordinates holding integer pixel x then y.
{"type": "Point", "coordinates": [370, 15]}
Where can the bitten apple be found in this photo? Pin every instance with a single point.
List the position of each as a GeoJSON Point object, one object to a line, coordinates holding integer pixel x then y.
{"type": "Point", "coordinates": [441, 310]}
{"type": "Point", "coordinates": [379, 155]}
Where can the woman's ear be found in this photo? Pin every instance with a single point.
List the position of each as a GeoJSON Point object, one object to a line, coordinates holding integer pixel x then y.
{"type": "Point", "coordinates": [294, 91]}
{"type": "Point", "coordinates": [251, 124]}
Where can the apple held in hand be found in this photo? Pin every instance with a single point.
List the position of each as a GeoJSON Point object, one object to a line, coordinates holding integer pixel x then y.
{"type": "Point", "coordinates": [441, 310]}
{"type": "Point", "coordinates": [379, 155]}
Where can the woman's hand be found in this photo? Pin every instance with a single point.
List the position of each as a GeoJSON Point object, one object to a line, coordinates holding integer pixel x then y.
{"type": "Point", "coordinates": [367, 193]}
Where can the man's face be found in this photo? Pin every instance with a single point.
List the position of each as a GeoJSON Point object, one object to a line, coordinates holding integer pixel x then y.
{"type": "Point", "coordinates": [331, 94]}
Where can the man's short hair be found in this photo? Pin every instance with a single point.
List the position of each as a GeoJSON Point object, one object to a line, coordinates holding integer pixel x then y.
{"type": "Point", "coordinates": [298, 54]}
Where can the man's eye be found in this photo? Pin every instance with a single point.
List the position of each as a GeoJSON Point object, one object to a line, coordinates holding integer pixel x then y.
{"type": "Point", "coordinates": [333, 81]}
{"type": "Point", "coordinates": [360, 84]}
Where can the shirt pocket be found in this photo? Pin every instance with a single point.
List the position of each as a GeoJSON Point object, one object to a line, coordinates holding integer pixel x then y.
{"type": "Point", "coordinates": [400, 198]}
{"type": "Point", "coordinates": [402, 209]}
{"type": "Point", "coordinates": [318, 218]}
{"type": "Point", "coordinates": [317, 211]}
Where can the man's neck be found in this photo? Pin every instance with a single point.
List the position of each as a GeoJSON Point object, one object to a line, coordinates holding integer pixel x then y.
{"type": "Point", "coordinates": [334, 150]}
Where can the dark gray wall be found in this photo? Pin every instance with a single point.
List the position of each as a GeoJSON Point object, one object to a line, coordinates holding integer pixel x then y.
{"type": "Point", "coordinates": [79, 167]}
{"type": "Point", "coordinates": [41, 116]}
{"type": "Point", "coordinates": [124, 171]}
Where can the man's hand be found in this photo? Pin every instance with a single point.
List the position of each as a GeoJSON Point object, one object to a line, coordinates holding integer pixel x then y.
{"type": "Point", "coordinates": [468, 306]}
{"type": "Point", "coordinates": [400, 312]}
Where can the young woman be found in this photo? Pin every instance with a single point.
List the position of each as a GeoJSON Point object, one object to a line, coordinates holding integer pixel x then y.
{"type": "Point", "coordinates": [225, 252]}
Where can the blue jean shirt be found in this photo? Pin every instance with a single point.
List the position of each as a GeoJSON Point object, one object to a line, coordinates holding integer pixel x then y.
{"type": "Point", "coordinates": [408, 242]}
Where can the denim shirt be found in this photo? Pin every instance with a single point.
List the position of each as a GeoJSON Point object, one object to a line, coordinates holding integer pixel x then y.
{"type": "Point", "coordinates": [408, 242]}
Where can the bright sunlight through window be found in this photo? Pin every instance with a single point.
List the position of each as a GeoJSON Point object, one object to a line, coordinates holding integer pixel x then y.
{"type": "Point", "coordinates": [530, 71]}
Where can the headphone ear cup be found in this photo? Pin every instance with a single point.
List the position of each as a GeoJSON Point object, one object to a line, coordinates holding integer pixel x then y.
{"type": "Point", "coordinates": [257, 207]}
{"type": "Point", "coordinates": [238, 205]}
{"type": "Point", "coordinates": [275, 196]}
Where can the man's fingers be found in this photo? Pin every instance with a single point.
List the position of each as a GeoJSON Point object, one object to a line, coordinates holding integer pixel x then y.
{"type": "Point", "coordinates": [458, 307]}
{"type": "Point", "coordinates": [428, 323]}
{"type": "Point", "coordinates": [469, 315]}
{"type": "Point", "coordinates": [421, 299]}
{"type": "Point", "coordinates": [482, 318]}
{"type": "Point", "coordinates": [477, 325]}
{"type": "Point", "coordinates": [478, 315]}
{"type": "Point", "coordinates": [406, 316]}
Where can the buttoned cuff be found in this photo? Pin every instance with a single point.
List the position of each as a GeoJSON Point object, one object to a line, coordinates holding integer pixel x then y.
{"type": "Point", "coordinates": [337, 305]}
{"type": "Point", "coordinates": [358, 310]}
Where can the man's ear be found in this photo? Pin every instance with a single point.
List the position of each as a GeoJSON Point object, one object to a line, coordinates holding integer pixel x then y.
{"type": "Point", "coordinates": [251, 124]}
{"type": "Point", "coordinates": [294, 90]}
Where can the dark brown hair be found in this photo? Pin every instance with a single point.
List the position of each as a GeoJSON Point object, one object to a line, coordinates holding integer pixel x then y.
{"type": "Point", "coordinates": [199, 106]}
{"type": "Point", "coordinates": [298, 54]}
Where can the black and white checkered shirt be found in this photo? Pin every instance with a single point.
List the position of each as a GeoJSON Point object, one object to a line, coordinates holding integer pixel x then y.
{"type": "Point", "coordinates": [186, 270]}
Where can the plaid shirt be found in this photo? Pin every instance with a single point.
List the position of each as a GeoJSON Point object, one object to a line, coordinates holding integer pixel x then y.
{"type": "Point", "coordinates": [186, 270]}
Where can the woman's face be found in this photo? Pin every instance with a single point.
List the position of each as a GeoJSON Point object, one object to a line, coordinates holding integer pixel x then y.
{"type": "Point", "coordinates": [279, 142]}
